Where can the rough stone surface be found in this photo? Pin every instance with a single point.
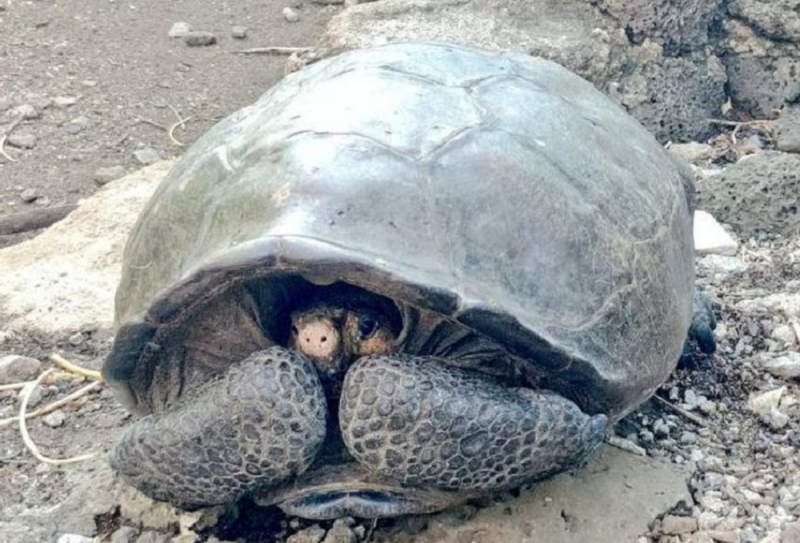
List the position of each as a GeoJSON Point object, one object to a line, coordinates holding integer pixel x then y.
{"type": "Point", "coordinates": [786, 367]}
{"type": "Point", "coordinates": [763, 73]}
{"type": "Point", "coordinates": [787, 133]}
{"type": "Point", "coordinates": [776, 19]}
{"type": "Point", "coordinates": [15, 369]}
{"type": "Point", "coordinates": [75, 264]}
{"type": "Point", "coordinates": [757, 194]}
{"type": "Point", "coordinates": [791, 533]}
{"type": "Point", "coordinates": [672, 96]}
{"type": "Point", "coordinates": [766, 406]}
{"type": "Point", "coordinates": [679, 26]}
{"type": "Point", "coordinates": [710, 238]}
{"type": "Point", "coordinates": [692, 152]}
{"type": "Point", "coordinates": [632, 489]}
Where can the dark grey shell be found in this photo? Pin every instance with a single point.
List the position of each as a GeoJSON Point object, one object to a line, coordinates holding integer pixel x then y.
{"type": "Point", "coordinates": [497, 189]}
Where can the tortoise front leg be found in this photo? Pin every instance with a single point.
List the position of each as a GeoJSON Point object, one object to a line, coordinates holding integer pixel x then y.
{"type": "Point", "coordinates": [258, 424]}
{"type": "Point", "coordinates": [427, 424]}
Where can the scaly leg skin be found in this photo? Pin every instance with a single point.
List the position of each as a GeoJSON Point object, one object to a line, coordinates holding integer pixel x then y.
{"type": "Point", "coordinates": [258, 424]}
{"type": "Point", "coordinates": [703, 323]}
{"type": "Point", "coordinates": [430, 425]}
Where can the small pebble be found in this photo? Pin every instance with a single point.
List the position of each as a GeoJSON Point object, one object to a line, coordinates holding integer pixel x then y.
{"type": "Point", "coordinates": [103, 176]}
{"type": "Point", "coordinates": [312, 534]}
{"type": "Point", "coordinates": [199, 39]}
{"type": "Point", "coordinates": [76, 125]}
{"type": "Point", "coordinates": [26, 111]}
{"type": "Point", "coordinates": [28, 195]}
{"type": "Point", "coordinates": [179, 30]}
{"type": "Point", "coordinates": [74, 538]}
{"type": "Point", "coordinates": [35, 398]}
{"type": "Point", "coordinates": [785, 367]}
{"type": "Point", "coordinates": [688, 438]}
{"type": "Point", "coordinates": [76, 339]}
{"type": "Point", "coordinates": [290, 15]}
{"type": "Point", "coordinates": [341, 532]}
{"type": "Point", "coordinates": [708, 408]}
{"type": "Point", "coordinates": [22, 140]}
{"type": "Point", "coordinates": [16, 369]}
{"type": "Point", "coordinates": [239, 32]}
{"type": "Point", "coordinates": [146, 156]}
{"type": "Point", "coordinates": [674, 525]}
{"type": "Point", "coordinates": [153, 537]}
{"type": "Point", "coordinates": [54, 419]}
{"type": "Point", "coordinates": [65, 101]}
{"type": "Point", "coordinates": [661, 428]}
{"type": "Point", "coordinates": [124, 534]}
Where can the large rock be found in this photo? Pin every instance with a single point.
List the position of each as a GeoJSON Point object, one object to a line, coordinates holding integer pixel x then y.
{"type": "Point", "coordinates": [776, 19]}
{"type": "Point", "coordinates": [758, 194]}
{"type": "Point", "coordinates": [679, 26]}
{"type": "Point", "coordinates": [763, 73]}
{"type": "Point", "coordinates": [612, 500]}
{"type": "Point", "coordinates": [672, 96]}
{"type": "Point", "coordinates": [64, 279]}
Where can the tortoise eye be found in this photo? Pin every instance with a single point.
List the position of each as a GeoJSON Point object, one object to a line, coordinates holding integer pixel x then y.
{"type": "Point", "coordinates": [367, 327]}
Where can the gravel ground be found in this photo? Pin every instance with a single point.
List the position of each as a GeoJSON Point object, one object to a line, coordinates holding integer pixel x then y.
{"type": "Point", "coordinates": [97, 77]}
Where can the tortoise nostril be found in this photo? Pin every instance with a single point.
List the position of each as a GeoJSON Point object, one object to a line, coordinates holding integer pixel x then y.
{"type": "Point", "coordinates": [324, 339]}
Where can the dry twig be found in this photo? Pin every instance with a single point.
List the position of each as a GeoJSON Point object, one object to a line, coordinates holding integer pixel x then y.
{"type": "Point", "coordinates": [700, 421]}
{"type": "Point", "coordinates": [15, 386]}
{"type": "Point", "coordinates": [181, 122]}
{"type": "Point", "coordinates": [272, 51]}
{"type": "Point", "coordinates": [49, 408]}
{"type": "Point", "coordinates": [66, 365]}
{"type": "Point", "coordinates": [23, 428]}
{"type": "Point", "coordinates": [152, 123]}
{"type": "Point", "coordinates": [4, 137]}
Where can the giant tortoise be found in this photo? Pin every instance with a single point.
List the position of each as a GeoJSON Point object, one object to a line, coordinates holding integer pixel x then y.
{"type": "Point", "coordinates": [404, 277]}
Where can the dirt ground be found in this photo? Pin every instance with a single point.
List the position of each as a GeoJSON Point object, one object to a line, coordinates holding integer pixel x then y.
{"type": "Point", "coordinates": [116, 62]}
{"type": "Point", "coordinates": [106, 81]}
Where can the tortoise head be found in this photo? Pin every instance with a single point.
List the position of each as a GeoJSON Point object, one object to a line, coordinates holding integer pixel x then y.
{"type": "Point", "coordinates": [334, 331]}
